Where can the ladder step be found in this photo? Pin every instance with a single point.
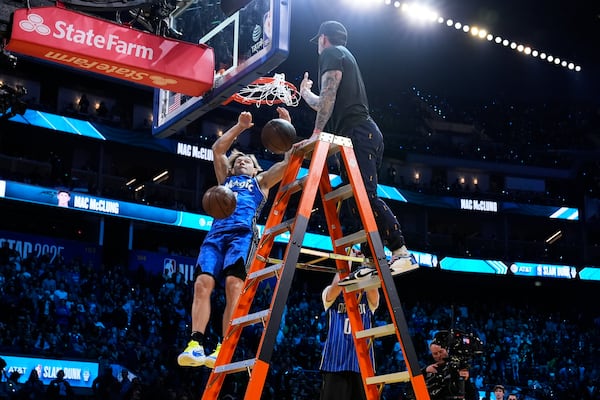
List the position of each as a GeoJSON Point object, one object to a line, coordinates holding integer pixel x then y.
{"type": "Point", "coordinates": [395, 377]}
{"type": "Point", "coordinates": [280, 228]}
{"type": "Point", "coordinates": [352, 239]}
{"type": "Point", "coordinates": [250, 318]}
{"type": "Point", "coordinates": [341, 193]}
{"type": "Point", "coordinates": [384, 330]}
{"type": "Point", "coordinates": [235, 366]}
{"type": "Point", "coordinates": [294, 186]}
{"type": "Point", "coordinates": [264, 273]}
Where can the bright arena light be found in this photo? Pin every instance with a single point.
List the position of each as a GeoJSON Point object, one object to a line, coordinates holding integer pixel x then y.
{"type": "Point", "coordinates": [421, 12]}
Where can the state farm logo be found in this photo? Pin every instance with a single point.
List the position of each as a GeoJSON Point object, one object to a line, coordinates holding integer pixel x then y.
{"type": "Point", "coordinates": [98, 46]}
{"type": "Point", "coordinates": [35, 23]}
{"type": "Point", "coordinates": [69, 32]}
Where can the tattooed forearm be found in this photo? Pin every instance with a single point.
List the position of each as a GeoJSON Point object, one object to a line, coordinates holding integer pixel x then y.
{"type": "Point", "coordinates": [330, 82]}
{"type": "Point", "coordinates": [311, 99]}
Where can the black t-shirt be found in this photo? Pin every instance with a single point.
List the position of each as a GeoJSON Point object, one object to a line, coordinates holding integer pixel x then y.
{"type": "Point", "coordinates": [351, 105]}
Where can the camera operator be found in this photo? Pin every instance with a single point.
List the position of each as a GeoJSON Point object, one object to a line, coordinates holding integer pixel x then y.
{"type": "Point", "coordinates": [448, 377]}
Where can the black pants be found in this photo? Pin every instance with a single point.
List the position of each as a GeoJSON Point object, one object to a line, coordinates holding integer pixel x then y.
{"type": "Point", "coordinates": [344, 385]}
{"type": "Point", "coordinates": [367, 141]}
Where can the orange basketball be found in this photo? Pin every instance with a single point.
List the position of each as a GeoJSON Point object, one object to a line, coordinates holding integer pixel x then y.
{"type": "Point", "coordinates": [219, 202]}
{"type": "Point", "coordinates": [278, 135]}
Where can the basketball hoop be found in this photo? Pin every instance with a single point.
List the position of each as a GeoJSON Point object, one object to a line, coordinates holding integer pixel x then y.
{"type": "Point", "coordinates": [268, 91]}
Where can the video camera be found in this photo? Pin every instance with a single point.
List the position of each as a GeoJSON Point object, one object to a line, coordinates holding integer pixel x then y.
{"type": "Point", "coordinates": [462, 348]}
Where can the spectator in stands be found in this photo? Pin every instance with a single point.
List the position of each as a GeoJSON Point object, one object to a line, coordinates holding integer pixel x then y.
{"type": "Point", "coordinates": [224, 252]}
{"type": "Point", "coordinates": [499, 392]}
{"type": "Point", "coordinates": [33, 388]}
{"type": "Point", "coordinates": [105, 385]}
{"type": "Point", "coordinates": [126, 385]}
{"type": "Point", "coordinates": [339, 363]}
{"type": "Point", "coordinates": [512, 396]}
{"type": "Point", "coordinates": [59, 388]}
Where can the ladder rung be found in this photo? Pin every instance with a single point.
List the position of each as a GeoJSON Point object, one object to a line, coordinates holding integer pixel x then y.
{"type": "Point", "coordinates": [333, 256]}
{"type": "Point", "coordinates": [341, 193]}
{"type": "Point", "coordinates": [389, 378]}
{"type": "Point", "coordinates": [235, 366]}
{"type": "Point", "coordinates": [352, 239]}
{"type": "Point", "coordinates": [294, 186]}
{"type": "Point", "coordinates": [379, 331]}
{"type": "Point", "coordinates": [314, 267]}
{"type": "Point", "coordinates": [265, 273]}
{"type": "Point", "coordinates": [250, 318]}
{"type": "Point", "coordinates": [280, 228]}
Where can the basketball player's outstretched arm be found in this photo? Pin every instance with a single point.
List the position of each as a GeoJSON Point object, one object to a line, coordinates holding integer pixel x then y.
{"type": "Point", "coordinates": [222, 145]}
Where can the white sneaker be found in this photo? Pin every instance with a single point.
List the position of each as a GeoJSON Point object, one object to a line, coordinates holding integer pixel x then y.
{"type": "Point", "coordinates": [358, 275]}
{"type": "Point", "coordinates": [401, 264]}
{"type": "Point", "coordinates": [192, 356]}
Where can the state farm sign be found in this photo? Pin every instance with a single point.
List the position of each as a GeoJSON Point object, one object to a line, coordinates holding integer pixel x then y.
{"type": "Point", "coordinates": [95, 45]}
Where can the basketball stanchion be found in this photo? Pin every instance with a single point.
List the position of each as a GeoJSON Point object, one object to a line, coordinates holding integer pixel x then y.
{"type": "Point", "coordinates": [268, 91]}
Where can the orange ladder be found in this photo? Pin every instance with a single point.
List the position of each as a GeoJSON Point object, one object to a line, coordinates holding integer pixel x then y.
{"type": "Point", "coordinates": [263, 266]}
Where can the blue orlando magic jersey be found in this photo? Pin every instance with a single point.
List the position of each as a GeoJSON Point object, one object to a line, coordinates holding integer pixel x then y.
{"type": "Point", "coordinates": [339, 353]}
{"type": "Point", "coordinates": [250, 200]}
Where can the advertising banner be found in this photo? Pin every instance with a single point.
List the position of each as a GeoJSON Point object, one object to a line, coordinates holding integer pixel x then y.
{"type": "Point", "coordinates": [32, 245]}
{"type": "Point", "coordinates": [77, 373]}
{"type": "Point", "coordinates": [95, 45]}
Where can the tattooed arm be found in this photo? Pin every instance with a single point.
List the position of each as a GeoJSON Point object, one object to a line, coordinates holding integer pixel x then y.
{"type": "Point", "coordinates": [323, 103]}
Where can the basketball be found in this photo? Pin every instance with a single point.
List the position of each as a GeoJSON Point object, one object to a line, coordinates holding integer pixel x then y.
{"type": "Point", "coordinates": [278, 135]}
{"type": "Point", "coordinates": [219, 202]}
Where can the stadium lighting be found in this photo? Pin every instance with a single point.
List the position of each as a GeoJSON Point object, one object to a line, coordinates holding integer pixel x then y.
{"type": "Point", "coordinates": [421, 12]}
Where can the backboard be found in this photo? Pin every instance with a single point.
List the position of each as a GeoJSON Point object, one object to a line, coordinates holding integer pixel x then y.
{"type": "Point", "coordinates": [247, 45]}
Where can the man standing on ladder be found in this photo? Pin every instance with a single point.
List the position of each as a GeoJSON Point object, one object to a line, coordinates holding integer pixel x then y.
{"type": "Point", "coordinates": [342, 109]}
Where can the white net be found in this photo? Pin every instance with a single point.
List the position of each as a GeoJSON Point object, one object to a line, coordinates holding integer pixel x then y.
{"type": "Point", "coordinates": [270, 93]}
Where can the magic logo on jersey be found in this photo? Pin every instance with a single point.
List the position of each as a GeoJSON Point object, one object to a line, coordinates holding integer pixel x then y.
{"type": "Point", "coordinates": [247, 184]}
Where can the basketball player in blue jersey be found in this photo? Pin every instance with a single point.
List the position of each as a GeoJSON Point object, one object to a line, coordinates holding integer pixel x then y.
{"type": "Point", "coordinates": [224, 252]}
{"type": "Point", "coordinates": [339, 363]}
